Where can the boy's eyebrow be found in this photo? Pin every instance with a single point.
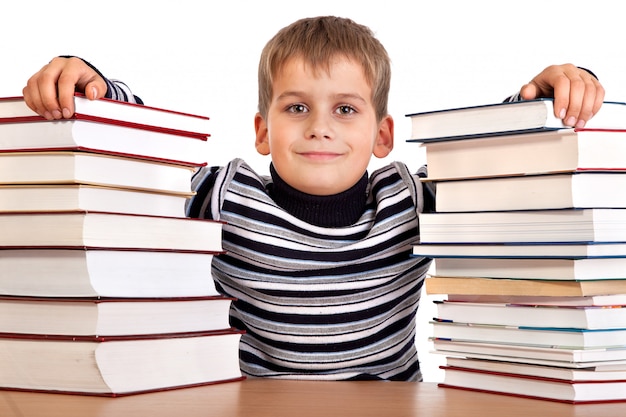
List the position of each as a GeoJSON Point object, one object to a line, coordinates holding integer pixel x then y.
{"type": "Point", "coordinates": [338, 96]}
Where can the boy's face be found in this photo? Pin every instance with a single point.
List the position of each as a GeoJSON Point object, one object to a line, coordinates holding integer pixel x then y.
{"type": "Point", "coordinates": [321, 128]}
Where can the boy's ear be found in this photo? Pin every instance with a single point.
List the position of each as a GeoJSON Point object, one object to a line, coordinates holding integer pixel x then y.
{"type": "Point", "coordinates": [260, 127]}
{"type": "Point", "coordinates": [384, 141]}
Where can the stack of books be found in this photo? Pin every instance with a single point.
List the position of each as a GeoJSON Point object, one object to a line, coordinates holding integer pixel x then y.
{"type": "Point", "coordinates": [529, 246]}
{"type": "Point", "coordinates": [105, 285]}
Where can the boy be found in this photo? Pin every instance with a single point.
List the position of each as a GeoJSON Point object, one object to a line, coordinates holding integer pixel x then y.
{"type": "Point", "coordinates": [318, 253]}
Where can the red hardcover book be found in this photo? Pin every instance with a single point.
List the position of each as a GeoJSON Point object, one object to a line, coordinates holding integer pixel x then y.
{"type": "Point", "coordinates": [116, 366]}
{"type": "Point", "coordinates": [105, 272]}
{"type": "Point", "coordinates": [109, 230]}
{"type": "Point", "coordinates": [14, 109]}
{"type": "Point", "coordinates": [529, 386]}
{"type": "Point", "coordinates": [112, 316]}
{"type": "Point", "coordinates": [107, 126]}
{"type": "Point", "coordinates": [61, 167]}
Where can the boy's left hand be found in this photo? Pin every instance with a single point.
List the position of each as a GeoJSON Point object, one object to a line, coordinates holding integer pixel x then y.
{"type": "Point", "coordinates": [578, 95]}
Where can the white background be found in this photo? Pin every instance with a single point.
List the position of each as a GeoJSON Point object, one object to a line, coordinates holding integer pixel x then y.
{"type": "Point", "coordinates": [201, 57]}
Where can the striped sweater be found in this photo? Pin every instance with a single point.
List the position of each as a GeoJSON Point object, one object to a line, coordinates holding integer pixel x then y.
{"type": "Point", "coordinates": [326, 287]}
{"type": "Point", "coordinates": [319, 302]}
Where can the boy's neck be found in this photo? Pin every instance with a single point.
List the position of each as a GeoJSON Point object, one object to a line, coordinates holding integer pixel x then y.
{"type": "Point", "coordinates": [338, 210]}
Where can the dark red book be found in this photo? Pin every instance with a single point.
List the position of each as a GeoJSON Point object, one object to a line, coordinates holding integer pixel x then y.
{"type": "Point", "coordinates": [115, 366]}
{"type": "Point", "coordinates": [106, 317]}
{"type": "Point", "coordinates": [537, 387]}
{"type": "Point", "coordinates": [107, 126]}
{"type": "Point", "coordinates": [80, 271]}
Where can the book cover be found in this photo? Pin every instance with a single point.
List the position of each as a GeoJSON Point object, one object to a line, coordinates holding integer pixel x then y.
{"type": "Point", "coordinates": [436, 284]}
{"type": "Point", "coordinates": [505, 314]}
{"type": "Point", "coordinates": [115, 366]}
{"type": "Point", "coordinates": [112, 230]}
{"type": "Point", "coordinates": [89, 136]}
{"type": "Point", "coordinates": [14, 109]}
{"type": "Point", "coordinates": [566, 150]}
{"type": "Point", "coordinates": [504, 117]}
{"type": "Point", "coordinates": [55, 316]}
{"type": "Point", "coordinates": [60, 167]}
{"type": "Point", "coordinates": [105, 272]}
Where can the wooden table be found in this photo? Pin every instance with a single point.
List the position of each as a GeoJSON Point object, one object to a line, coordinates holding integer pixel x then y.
{"type": "Point", "coordinates": [265, 397]}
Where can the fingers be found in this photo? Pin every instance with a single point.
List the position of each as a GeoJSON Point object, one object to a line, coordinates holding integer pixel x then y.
{"type": "Point", "coordinates": [578, 95]}
{"type": "Point", "coordinates": [50, 91]}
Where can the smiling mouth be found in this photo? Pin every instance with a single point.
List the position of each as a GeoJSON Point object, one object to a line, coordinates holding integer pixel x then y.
{"type": "Point", "coordinates": [320, 155]}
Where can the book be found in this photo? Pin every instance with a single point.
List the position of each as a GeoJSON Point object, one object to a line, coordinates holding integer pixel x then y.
{"type": "Point", "coordinates": [590, 300]}
{"type": "Point", "coordinates": [521, 287]}
{"type": "Point", "coordinates": [534, 268]}
{"type": "Point", "coordinates": [550, 356]}
{"type": "Point", "coordinates": [529, 336]}
{"type": "Point", "coordinates": [93, 169]}
{"type": "Point", "coordinates": [536, 387]}
{"type": "Point", "coordinates": [533, 192]}
{"type": "Point", "coordinates": [105, 272]}
{"type": "Point", "coordinates": [15, 109]}
{"type": "Point", "coordinates": [67, 197]}
{"type": "Point", "coordinates": [505, 118]}
{"type": "Point", "coordinates": [595, 373]}
{"type": "Point", "coordinates": [521, 250]}
{"type": "Point", "coordinates": [564, 225]}
{"type": "Point", "coordinates": [112, 316]}
{"type": "Point", "coordinates": [103, 137]}
{"type": "Point", "coordinates": [116, 366]}
{"type": "Point", "coordinates": [527, 315]}
{"type": "Point", "coordinates": [110, 230]}
{"type": "Point", "coordinates": [565, 150]}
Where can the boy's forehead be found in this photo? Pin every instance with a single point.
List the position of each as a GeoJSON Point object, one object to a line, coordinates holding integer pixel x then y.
{"type": "Point", "coordinates": [317, 69]}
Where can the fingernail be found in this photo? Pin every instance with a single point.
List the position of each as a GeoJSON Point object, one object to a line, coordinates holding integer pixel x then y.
{"type": "Point", "coordinates": [48, 116]}
{"type": "Point", "coordinates": [562, 114]}
{"type": "Point", "coordinates": [570, 121]}
{"type": "Point", "coordinates": [580, 124]}
{"type": "Point", "coordinates": [94, 93]}
{"type": "Point", "coordinates": [66, 113]}
{"type": "Point", "coordinates": [56, 114]}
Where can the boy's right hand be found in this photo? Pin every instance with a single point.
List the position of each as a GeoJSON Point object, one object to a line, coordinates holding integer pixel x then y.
{"type": "Point", "coordinates": [50, 91]}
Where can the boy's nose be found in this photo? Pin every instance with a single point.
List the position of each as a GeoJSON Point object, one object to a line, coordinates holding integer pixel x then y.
{"type": "Point", "coordinates": [319, 127]}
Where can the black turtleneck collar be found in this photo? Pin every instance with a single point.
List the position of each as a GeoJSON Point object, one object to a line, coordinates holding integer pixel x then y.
{"type": "Point", "coordinates": [338, 210]}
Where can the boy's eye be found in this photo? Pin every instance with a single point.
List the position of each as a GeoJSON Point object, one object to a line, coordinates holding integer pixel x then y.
{"type": "Point", "coordinates": [296, 108]}
{"type": "Point", "coordinates": [345, 109]}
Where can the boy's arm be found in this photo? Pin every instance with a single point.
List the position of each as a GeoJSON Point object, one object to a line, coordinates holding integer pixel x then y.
{"type": "Point", "coordinates": [577, 92]}
{"type": "Point", "coordinates": [50, 91]}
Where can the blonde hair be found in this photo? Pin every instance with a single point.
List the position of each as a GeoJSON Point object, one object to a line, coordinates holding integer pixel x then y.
{"type": "Point", "coordinates": [318, 41]}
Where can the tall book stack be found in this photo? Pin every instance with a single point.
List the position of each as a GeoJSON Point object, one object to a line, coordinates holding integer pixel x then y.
{"type": "Point", "coordinates": [105, 285]}
{"type": "Point", "coordinates": [529, 246]}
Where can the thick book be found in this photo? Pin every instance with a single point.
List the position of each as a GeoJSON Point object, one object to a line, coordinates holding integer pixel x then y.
{"type": "Point", "coordinates": [109, 230]}
{"type": "Point", "coordinates": [558, 226]}
{"type": "Point", "coordinates": [521, 250]}
{"type": "Point", "coordinates": [66, 197]}
{"type": "Point", "coordinates": [527, 315]}
{"type": "Point", "coordinates": [529, 336]}
{"type": "Point", "coordinates": [567, 150]}
{"type": "Point", "coordinates": [437, 284]}
{"type": "Point", "coordinates": [61, 167]}
{"type": "Point", "coordinates": [535, 387]}
{"type": "Point", "coordinates": [105, 272]}
{"type": "Point", "coordinates": [585, 269]}
{"type": "Point", "coordinates": [112, 316]}
{"type": "Point", "coordinates": [112, 138]}
{"type": "Point", "coordinates": [504, 118]}
{"type": "Point", "coordinates": [533, 192]}
{"type": "Point", "coordinates": [551, 356]}
{"type": "Point", "coordinates": [116, 366]}
{"type": "Point", "coordinates": [15, 109]}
